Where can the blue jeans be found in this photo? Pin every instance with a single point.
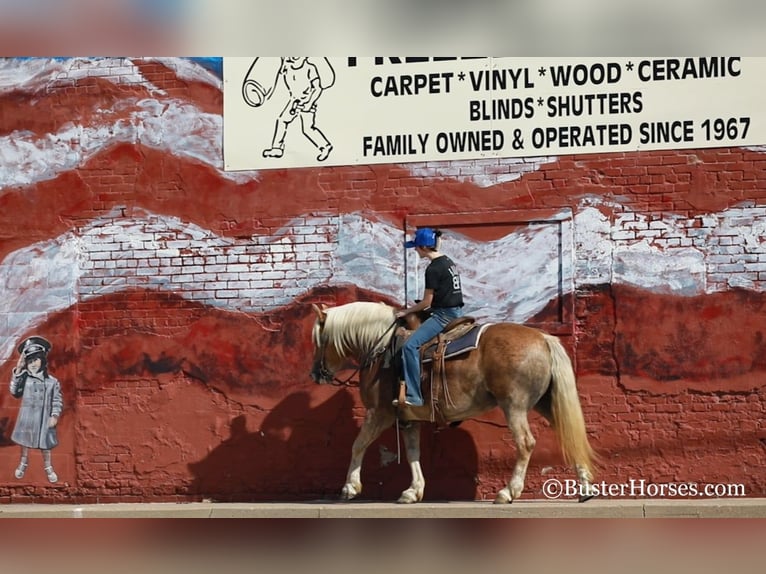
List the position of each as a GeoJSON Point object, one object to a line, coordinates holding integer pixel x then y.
{"type": "Point", "coordinates": [411, 349]}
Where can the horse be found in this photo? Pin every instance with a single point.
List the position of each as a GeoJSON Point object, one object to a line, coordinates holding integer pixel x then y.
{"type": "Point", "coordinates": [514, 367]}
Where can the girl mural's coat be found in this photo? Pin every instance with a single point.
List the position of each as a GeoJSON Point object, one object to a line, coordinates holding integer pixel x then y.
{"type": "Point", "coordinates": [40, 400]}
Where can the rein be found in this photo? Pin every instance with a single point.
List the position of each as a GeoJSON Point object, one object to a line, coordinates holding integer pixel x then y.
{"type": "Point", "coordinates": [366, 362]}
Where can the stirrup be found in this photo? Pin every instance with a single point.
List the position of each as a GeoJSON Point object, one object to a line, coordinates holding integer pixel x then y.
{"type": "Point", "coordinates": [20, 470]}
{"type": "Point", "coordinates": [52, 476]}
{"type": "Point", "coordinates": [404, 403]}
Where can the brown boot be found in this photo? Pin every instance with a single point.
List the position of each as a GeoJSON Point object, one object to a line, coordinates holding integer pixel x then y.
{"type": "Point", "coordinates": [402, 398]}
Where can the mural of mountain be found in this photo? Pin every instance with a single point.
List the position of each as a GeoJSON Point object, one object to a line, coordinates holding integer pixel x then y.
{"type": "Point", "coordinates": [177, 295]}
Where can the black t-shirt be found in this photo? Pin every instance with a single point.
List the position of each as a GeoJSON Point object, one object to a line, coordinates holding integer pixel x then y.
{"type": "Point", "coordinates": [443, 278]}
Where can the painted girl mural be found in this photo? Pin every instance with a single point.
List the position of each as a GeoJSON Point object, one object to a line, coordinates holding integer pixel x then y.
{"type": "Point", "coordinates": [41, 404]}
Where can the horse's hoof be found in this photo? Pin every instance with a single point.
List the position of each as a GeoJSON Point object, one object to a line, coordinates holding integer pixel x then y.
{"type": "Point", "coordinates": [585, 498]}
{"type": "Point", "coordinates": [408, 497]}
{"type": "Point", "coordinates": [503, 498]}
{"type": "Point", "coordinates": [348, 493]}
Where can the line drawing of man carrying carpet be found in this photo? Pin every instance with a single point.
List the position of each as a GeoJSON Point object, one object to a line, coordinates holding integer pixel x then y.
{"type": "Point", "coordinates": [305, 79]}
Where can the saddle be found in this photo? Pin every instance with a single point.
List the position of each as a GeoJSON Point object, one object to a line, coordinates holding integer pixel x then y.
{"type": "Point", "coordinates": [458, 337]}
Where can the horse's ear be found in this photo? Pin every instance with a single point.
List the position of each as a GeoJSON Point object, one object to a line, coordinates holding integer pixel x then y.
{"type": "Point", "coordinates": [320, 313]}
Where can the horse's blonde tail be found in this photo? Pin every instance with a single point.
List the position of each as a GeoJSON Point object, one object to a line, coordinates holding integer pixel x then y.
{"type": "Point", "coordinates": [567, 418]}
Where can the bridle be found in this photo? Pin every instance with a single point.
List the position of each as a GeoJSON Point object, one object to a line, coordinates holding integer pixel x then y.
{"type": "Point", "coordinates": [325, 374]}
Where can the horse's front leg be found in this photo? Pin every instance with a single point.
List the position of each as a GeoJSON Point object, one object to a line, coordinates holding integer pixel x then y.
{"type": "Point", "coordinates": [412, 443]}
{"type": "Point", "coordinates": [375, 422]}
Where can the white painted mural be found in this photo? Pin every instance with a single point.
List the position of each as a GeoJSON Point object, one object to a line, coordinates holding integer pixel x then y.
{"type": "Point", "coordinates": [510, 278]}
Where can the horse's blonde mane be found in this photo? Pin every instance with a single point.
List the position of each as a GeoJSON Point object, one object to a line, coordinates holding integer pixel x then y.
{"type": "Point", "coordinates": [357, 327]}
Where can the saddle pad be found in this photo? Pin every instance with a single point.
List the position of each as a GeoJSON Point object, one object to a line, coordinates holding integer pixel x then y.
{"type": "Point", "coordinates": [463, 344]}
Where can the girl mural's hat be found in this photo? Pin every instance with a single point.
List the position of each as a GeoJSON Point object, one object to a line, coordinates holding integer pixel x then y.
{"type": "Point", "coordinates": [33, 346]}
{"type": "Point", "coordinates": [424, 237]}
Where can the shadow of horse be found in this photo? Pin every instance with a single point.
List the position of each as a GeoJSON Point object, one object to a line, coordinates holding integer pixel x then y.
{"type": "Point", "coordinates": [300, 453]}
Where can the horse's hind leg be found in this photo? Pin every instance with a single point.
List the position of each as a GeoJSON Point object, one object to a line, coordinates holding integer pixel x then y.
{"type": "Point", "coordinates": [375, 422]}
{"type": "Point", "coordinates": [525, 444]}
{"type": "Point", "coordinates": [586, 488]}
{"type": "Point", "coordinates": [412, 444]}
{"type": "Point", "coordinates": [587, 491]}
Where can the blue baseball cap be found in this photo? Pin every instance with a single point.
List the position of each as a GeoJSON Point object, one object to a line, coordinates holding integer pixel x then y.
{"type": "Point", "coordinates": [424, 237]}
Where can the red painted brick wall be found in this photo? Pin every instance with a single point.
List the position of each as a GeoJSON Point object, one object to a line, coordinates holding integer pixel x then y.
{"type": "Point", "coordinates": [170, 398]}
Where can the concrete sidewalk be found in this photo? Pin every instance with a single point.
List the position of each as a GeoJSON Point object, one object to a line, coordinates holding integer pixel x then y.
{"type": "Point", "coordinates": [596, 508]}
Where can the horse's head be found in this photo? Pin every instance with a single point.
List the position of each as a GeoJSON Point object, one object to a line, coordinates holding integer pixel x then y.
{"type": "Point", "coordinates": [350, 334]}
{"type": "Point", "coordinates": [326, 361]}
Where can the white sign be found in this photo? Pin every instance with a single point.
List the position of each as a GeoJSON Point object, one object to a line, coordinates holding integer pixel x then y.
{"type": "Point", "coordinates": [315, 111]}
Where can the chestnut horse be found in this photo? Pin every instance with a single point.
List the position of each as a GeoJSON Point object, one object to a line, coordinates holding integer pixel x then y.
{"type": "Point", "coordinates": [514, 367]}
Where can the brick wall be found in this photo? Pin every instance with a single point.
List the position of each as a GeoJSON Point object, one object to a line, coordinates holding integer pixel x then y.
{"type": "Point", "coordinates": [181, 325]}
